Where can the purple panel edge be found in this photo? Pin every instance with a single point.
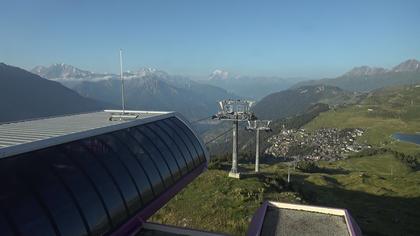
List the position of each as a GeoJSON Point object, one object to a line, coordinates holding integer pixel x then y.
{"type": "Point", "coordinates": [257, 221]}
{"type": "Point", "coordinates": [353, 226]}
{"type": "Point", "coordinates": [135, 223]}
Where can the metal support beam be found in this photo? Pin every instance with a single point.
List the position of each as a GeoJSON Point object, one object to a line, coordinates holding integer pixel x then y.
{"type": "Point", "coordinates": [234, 173]}
{"type": "Point", "coordinates": [257, 152]}
{"type": "Point", "coordinates": [258, 125]}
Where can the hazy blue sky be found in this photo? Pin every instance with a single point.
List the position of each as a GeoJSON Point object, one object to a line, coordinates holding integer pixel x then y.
{"type": "Point", "coordinates": [278, 38]}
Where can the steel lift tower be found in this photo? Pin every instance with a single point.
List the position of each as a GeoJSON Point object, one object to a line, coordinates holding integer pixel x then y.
{"type": "Point", "coordinates": [258, 125]}
{"type": "Point", "coordinates": [236, 111]}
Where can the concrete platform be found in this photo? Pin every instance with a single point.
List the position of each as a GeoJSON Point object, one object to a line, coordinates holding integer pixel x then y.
{"type": "Point", "coordinates": [236, 175]}
{"type": "Point", "coordinates": [289, 222]}
{"type": "Point", "coordinates": [281, 219]}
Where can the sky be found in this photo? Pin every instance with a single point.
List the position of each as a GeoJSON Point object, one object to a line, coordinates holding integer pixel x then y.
{"type": "Point", "coordinates": [312, 39]}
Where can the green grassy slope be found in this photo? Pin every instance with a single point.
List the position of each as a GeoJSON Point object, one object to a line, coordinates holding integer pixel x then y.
{"type": "Point", "coordinates": [295, 101]}
{"type": "Point", "coordinates": [381, 193]}
{"type": "Point", "coordinates": [366, 83]}
{"type": "Point", "coordinates": [379, 190]}
{"type": "Point", "coordinates": [382, 113]}
{"type": "Point", "coordinates": [217, 203]}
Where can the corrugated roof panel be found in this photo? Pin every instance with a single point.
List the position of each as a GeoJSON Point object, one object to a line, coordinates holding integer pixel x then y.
{"type": "Point", "coordinates": [25, 135]}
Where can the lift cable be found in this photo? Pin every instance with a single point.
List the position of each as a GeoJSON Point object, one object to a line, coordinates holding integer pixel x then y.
{"type": "Point", "coordinates": [196, 121]}
{"type": "Point", "coordinates": [220, 135]}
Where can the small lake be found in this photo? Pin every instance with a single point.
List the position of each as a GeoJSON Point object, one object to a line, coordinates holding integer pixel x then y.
{"type": "Point", "coordinates": [412, 138]}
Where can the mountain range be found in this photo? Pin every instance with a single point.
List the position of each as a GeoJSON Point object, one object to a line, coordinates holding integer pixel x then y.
{"type": "Point", "coordinates": [247, 86]}
{"type": "Point", "coordinates": [365, 78]}
{"type": "Point", "coordinates": [243, 86]}
{"type": "Point", "coordinates": [63, 72]}
{"type": "Point", "coordinates": [153, 89]}
{"type": "Point", "coordinates": [145, 89]}
{"type": "Point", "coordinates": [292, 102]}
{"type": "Point", "coordinates": [24, 95]}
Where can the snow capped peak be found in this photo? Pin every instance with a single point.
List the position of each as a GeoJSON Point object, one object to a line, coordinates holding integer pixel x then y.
{"type": "Point", "coordinates": [144, 72]}
{"type": "Point", "coordinates": [219, 74]}
{"type": "Point", "coordinates": [65, 72]}
{"type": "Point", "coordinates": [38, 69]}
{"type": "Point", "coordinates": [61, 71]}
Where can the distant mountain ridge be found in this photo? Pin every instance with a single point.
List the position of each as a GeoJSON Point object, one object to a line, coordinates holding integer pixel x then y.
{"type": "Point", "coordinates": [293, 102]}
{"type": "Point", "coordinates": [61, 71]}
{"type": "Point", "coordinates": [150, 93]}
{"type": "Point", "coordinates": [65, 73]}
{"type": "Point", "coordinates": [147, 88]}
{"type": "Point", "coordinates": [248, 86]}
{"type": "Point", "coordinates": [24, 95]}
{"type": "Point", "coordinates": [243, 86]}
{"type": "Point", "coordinates": [365, 78]}
{"type": "Point", "coordinates": [411, 65]}
{"type": "Point", "coordinates": [365, 71]}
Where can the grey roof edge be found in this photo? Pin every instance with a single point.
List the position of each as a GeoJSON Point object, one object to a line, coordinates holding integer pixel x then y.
{"type": "Point", "coordinates": [48, 117]}
{"type": "Point", "coordinates": [40, 144]}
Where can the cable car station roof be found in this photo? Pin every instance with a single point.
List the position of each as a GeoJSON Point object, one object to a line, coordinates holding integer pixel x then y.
{"type": "Point", "coordinates": [23, 136]}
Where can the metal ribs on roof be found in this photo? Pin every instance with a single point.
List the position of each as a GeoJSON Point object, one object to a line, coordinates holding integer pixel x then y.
{"type": "Point", "coordinates": [17, 137]}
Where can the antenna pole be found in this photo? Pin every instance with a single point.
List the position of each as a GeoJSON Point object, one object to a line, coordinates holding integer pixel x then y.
{"type": "Point", "coordinates": [122, 84]}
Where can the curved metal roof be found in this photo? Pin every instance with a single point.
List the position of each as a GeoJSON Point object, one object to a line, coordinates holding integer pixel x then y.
{"type": "Point", "coordinates": [18, 137]}
{"type": "Point", "coordinates": [95, 178]}
{"type": "Point", "coordinates": [24, 136]}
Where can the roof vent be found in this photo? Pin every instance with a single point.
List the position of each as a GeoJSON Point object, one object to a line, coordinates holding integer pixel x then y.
{"type": "Point", "coordinates": [122, 115]}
